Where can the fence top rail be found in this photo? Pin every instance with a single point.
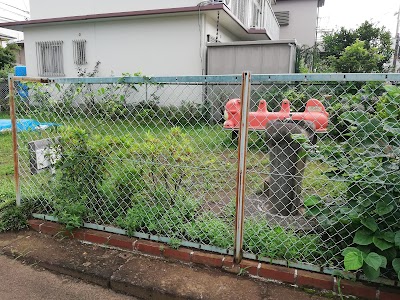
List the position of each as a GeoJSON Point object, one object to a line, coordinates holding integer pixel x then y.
{"type": "Point", "coordinates": [163, 79]}
{"type": "Point", "coordinates": [224, 79]}
{"type": "Point", "coordinates": [327, 77]}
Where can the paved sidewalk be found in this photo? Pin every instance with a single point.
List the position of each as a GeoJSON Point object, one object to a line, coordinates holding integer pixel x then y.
{"type": "Point", "coordinates": [21, 282]}
{"type": "Point", "coordinates": [123, 271]}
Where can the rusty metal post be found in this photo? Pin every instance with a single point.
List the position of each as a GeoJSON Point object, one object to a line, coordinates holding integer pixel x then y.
{"type": "Point", "coordinates": [241, 170]}
{"type": "Point", "coordinates": [14, 139]}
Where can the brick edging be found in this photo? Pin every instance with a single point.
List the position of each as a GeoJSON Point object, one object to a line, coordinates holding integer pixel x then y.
{"type": "Point", "coordinates": [292, 276]}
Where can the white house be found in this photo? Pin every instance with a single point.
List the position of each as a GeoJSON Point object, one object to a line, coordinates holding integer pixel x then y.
{"type": "Point", "coordinates": [156, 37]}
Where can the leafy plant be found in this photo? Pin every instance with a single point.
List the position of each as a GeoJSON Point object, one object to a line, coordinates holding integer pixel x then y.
{"type": "Point", "coordinates": [210, 229]}
{"type": "Point", "coordinates": [276, 242]}
{"type": "Point", "coordinates": [369, 160]}
{"type": "Point", "coordinates": [12, 218]}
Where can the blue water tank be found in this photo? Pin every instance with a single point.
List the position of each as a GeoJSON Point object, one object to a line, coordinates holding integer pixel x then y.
{"type": "Point", "coordinates": [21, 88]}
{"type": "Point", "coordinates": [20, 70]}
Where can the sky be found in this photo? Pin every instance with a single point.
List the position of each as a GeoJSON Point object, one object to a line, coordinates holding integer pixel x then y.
{"type": "Point", "coordinates": [8, 14]}
{"type": "Point", "coordinates": [351, 13]}
{"type": "Point", "coordinates": [335, 13]}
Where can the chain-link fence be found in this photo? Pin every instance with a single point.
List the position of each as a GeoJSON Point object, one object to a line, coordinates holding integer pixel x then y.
{"type": "Point", "coordinates": [4, 96]}
{"type": "Point", "coordinates": [154, 158]}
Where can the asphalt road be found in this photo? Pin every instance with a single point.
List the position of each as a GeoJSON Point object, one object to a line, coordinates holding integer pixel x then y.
{"type": "Point", "coordinates": [21, 282]}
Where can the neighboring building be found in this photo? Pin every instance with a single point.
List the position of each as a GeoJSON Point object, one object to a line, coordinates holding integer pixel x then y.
{"type": "Point", "coordinates": [156, 37]}
{"type": "Point", "coordinates": [4, 39]}
{"type": "Point", "coordinates": [298, 19]}
{"type": "Point", "coordinates": [20, 55]}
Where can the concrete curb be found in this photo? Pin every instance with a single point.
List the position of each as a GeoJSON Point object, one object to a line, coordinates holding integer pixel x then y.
{"type": "Point", "coordinates": [263, 270]}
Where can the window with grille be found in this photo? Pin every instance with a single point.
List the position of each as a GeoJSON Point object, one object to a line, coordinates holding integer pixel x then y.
{"type": "Point", "coordinates": [50, 58]}
{"type": "Point", "coordinates": [79, 52]}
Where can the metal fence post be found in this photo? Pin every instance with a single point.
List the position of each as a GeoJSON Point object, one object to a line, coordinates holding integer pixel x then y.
{"type": "Point", "coordinates": [241, 170]}
{"type": "Point", "coordinates": [14, 139]}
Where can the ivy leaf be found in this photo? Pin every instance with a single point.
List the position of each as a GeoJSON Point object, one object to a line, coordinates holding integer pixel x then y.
{"type": "Point", "coordinates": [374, 260]}
{"type": "Point", "coordinates": [396, 266]}
{"type": "Point", "coordinates": [383, 208]}
{"type": "Point", "coordinates": [348, 250]}
{"type": "Point", "coordinates": [370, 272]}
{"type": "Point", "coordinates": [353, 260]}
{"type": "Point", "coordinates": [397, 239]}
{"type": "Point", "coordinates": [363, 237]}
{"type": "Point", "coordinates": [388, 236]}
{"type": "Point", "coordinates": [370, 223]}
{"type": "Point", "coordinates": [384, 262]}
{"type": "Point", "coordinates": [390, 253]}
{"type": "Point", "coordinates": [381, 244]}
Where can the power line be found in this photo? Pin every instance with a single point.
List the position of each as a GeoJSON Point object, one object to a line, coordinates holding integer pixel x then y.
{"type": "Point", "coordinates": [25, 11]}
{"type": "Point", "coordinates": [8, 19]}
{"type": "Point", "coordinates": [13, 12]}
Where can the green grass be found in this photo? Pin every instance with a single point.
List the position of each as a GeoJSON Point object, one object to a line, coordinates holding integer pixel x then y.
{"type": "Point", "coordinates": [7, 191]}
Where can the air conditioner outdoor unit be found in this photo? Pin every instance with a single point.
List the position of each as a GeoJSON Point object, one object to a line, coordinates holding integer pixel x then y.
{"type": "Point", "coordinates": [227, 3]}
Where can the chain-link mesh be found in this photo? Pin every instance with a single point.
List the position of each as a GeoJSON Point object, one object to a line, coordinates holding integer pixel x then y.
{"type": "Point", "coordinates": [4, 108]}
{"type": "Point", "coordinates": [152, 157]}
{"type": "Point", "coordinates": [327, 198]}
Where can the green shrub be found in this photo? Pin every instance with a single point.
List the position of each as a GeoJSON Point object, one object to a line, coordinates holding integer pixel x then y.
{"type": "Point", "coordinates": [277, 243]}
{"type": "Point", "coordinates": [210, 229]}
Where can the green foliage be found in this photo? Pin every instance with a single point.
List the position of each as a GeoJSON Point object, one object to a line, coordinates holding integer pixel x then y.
{"type": "Point", "coordinates": [368, 43]}
{"type": "Point", "coordinates": [356, 58]}
{"type": "Point", "coordinates": [155, 213]}
{"type": "Point", "coordinates": [7, 69]}
{"type": "Point", "coordinates": [82, 163]}
{"type": "Point", "coordinates": [70, 213]}
{"type": "Point", "coordinates": [175, 243]}
{"type": "Point", "coordinates": [14, 217]}
{"type": "Point", "coordinates": [167, 156]}
{"type": "Point", "coordinates": [276, 242]}
{"type": "Point", "coordinates": [7, 59]}
{"type": "Point", "coordinates": [210, 229]}
{"type": "Point", "coordinates": [369, 161]}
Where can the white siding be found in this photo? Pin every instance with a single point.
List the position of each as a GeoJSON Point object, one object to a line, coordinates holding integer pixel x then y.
{"type": "Point", "coordinates": [154, 46]}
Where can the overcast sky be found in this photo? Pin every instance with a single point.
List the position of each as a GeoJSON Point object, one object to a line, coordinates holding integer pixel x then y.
{"type": "Point", "coordinates": [351, 13]}
{"type": "Point", "coordinates": [8, 14]}
{"type": "Point", "coordinates": [335, 13]}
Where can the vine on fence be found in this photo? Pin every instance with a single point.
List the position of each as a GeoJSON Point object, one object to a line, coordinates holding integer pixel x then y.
{"type": "Point", "coordinates": [369, 160]}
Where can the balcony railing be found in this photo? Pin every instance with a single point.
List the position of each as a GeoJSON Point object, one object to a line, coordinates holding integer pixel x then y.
{"type": "Point", "coordinates": [256, 14]}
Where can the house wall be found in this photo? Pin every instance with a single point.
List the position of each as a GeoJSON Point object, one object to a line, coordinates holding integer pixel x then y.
{"type": "Point", "coordinates": [153, 46]}
{"type": "Point", "coordinates": [302, 20]}
{"type": "Point", "coordinates": [42, 9]}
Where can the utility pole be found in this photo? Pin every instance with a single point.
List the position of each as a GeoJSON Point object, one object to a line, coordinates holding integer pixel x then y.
{"type": "Point", "coordinates": [396, 49]}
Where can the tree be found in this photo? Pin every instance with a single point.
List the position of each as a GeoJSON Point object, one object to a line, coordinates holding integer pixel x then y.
{"type": "Point", "coordinates": [7, 58]}
{"type": "Point", "coordinates": [357, 59]}
{"type": "Point", "coordinates": [375, 40]}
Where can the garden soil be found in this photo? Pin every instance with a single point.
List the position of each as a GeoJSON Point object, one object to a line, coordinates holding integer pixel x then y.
{"type": "Point", "coordinates": [138, 275]}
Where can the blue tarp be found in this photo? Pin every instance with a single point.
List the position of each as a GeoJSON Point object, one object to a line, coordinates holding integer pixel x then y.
{"type": "Point", "coordinates": [24, 125]}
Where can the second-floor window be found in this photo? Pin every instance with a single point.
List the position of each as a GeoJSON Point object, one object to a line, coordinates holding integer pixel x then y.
{"type": "Point", "coordinates": [50, 60]}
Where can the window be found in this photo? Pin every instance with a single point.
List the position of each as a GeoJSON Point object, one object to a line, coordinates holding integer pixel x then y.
{"type": "Point", "coordinates": [79, 52]}
{"type": "Point", "coordinates": [50, 58]}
